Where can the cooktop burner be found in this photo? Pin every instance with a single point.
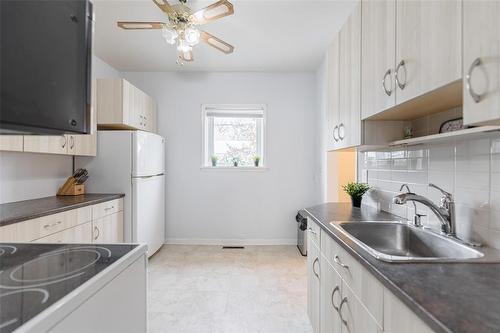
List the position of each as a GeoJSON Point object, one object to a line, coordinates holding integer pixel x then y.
{"type": "Point", "coordinates": [34, 276]}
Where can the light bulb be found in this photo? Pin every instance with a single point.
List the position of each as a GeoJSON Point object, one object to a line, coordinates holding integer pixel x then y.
{"type": "Point", "coordinates": [169, 35]}
{"type": "Point", "coordinates": [183, 46]}
{"type": "Point", "coordinates": [192, 36]}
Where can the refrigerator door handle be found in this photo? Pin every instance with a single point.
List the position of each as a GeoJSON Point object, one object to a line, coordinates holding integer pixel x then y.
{"type": "Point", "coordinates": [146, 177]}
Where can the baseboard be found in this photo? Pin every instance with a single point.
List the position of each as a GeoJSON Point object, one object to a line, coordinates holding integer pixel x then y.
{"type": "Point", "coordinates": [225, 242]}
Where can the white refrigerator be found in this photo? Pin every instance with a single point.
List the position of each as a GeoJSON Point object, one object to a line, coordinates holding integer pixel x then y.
{"type": "Point", "coordinates": [133, 163]}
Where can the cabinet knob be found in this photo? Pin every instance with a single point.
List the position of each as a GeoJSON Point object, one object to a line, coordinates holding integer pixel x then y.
{"type": "Point", "coordinates": [340, 263]}
{"type": "Point", "coordinates": [336, 133]}
{"type": "Point", "coordinates": [475, 96]}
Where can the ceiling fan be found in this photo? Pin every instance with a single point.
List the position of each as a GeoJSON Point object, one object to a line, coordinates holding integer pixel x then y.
{"type": "Point", "coordinates": [182, 26]}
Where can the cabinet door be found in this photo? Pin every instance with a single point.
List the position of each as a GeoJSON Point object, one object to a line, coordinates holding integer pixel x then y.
{"type": "Point", "coordinates": [108, 229]}
{"type": "Point", "coordinates": [80, 234]}
{"type": "Point", "coordinates": [86, 145]}
{"type": "Point", "coordinates": [354, 316]}
{"type": "Point", "coordinates": [11, 142]}
{"type": "Point", "coordinates": [350, 81]}
{"type": "Point", "coordinates": [428, 46]}
{"type": "Point", "coordinates": [313, 284]}
{"type": "Point", "coordinates": [398, 318]}
{"type": "Point", "coordinates": [50, 144]}
{"type": "Point", "coordinates": [332, 95]}
{"type": "Point", "coordinates": [331, 294]}
{"type": "Point", "coordinates": [378, 57]}
{"type": "Point", "coordinates": [481, 29]}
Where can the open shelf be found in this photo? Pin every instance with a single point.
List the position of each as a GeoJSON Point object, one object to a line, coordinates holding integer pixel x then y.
{"type": "Point", "coordinates": [470, 133]}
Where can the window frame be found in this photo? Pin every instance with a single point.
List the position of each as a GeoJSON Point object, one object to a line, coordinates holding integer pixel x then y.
{"type": "Point", "coordinates": [207, 135]}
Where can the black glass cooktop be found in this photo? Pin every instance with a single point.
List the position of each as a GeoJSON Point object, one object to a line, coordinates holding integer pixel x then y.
{"type": "Point", "coordinates": [35, 276]}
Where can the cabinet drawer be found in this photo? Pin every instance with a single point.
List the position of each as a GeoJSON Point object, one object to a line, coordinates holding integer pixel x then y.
{"type": "Point", "coordinates": [29, 230]}
{"type": "Point", "coordinates": [106, 208]}
{"type": "Point", "coordinates": [314, 231]}
{"type": "Point", "coordinates": [366, 287]}
{"type": "Point", "coordinates": [80, 234]}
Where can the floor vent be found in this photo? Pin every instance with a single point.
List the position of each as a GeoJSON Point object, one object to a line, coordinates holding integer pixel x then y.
{"type": "Point", "coordinates": [233, 247]}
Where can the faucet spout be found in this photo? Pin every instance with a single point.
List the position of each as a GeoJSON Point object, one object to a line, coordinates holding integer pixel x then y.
{"type": "Point", "coordinates": [445, 212]}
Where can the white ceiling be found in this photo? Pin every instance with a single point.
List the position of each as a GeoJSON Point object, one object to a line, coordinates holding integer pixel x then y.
{"type": "Point", "coordinates": [276, 35]}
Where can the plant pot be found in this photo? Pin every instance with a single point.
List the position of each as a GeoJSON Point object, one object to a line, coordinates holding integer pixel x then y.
{"type": "Point", "coordinates": [235, 164]}
{"type": "Point", "coordinates": [214, 163]}
{"type": "Point", "coordinates": [356, 201]}
{"type": "Point", "coordinates": [256, 163]}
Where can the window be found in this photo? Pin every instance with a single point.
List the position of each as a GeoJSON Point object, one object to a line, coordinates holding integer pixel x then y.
{"type": "Point", "coordinates": [234, 135]}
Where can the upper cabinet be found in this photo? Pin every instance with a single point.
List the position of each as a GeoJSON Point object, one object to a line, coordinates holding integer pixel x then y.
{"type": "Point", "coordinates": [332, 95]}
{"type": "Point", "coordinates": [428, 46]}
{"type": "Point", "coordinates": [378, 59]}
{"type": "Point", "coordinates": [123, 106]}
{"type": "Point", "coordinates": [481, 61]}
{"type": "Point", "coordinates": [350, 81]}
{"type": "Point", "coordinates": [344, 85]}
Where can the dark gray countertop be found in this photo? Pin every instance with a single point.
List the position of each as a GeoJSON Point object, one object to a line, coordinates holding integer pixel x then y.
{"type": "Point", "coordinates": [449, 297]}
{"type": "Point", "coordinates": [18, 211]}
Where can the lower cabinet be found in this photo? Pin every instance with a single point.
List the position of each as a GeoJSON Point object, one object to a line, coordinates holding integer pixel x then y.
{"type": "Point", "coordinates": [100, 223]}
{"type": "Point", "coordinates": [344, 297]}
{"type": "Point", "coordinates": [313, 283]}
{"type": "Point", "coordinates": [398, 318]}
{"type": "Point", "coordinates": [108, 229]}
{"type": "Point", "coordinates": [331, 296]}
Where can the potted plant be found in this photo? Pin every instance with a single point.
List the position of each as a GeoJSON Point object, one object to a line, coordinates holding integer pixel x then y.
{"type": "Point", "coordinates": [356, 191]}
{"type": "Point", "coordinates": [214, 159]}
{"type": "Point", "coordinates": [256, 160]}
{"type": "Point", "coordinates": [236, 161]}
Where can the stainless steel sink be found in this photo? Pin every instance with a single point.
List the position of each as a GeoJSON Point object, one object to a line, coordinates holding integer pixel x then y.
{"type": "Point", "coordinates": [398, 241]}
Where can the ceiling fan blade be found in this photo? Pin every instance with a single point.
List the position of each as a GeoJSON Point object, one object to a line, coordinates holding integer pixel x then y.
{"type": "Point", "coordinates": [213, 12]}
{"type": "Point", "coordinates": [218, 43]}
{"type": "Point", "coordinates": [140, 25]}
{"type": "Point", "coordinates": [164, 6]}
{"type": "Point", "coordinates": [186, 56]}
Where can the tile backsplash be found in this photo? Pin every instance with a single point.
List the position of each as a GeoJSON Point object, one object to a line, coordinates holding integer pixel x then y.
{"type": "Point", "coordinates": [469, 169]}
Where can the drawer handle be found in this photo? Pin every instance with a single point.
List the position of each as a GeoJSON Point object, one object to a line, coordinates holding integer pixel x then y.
{"type": "Point", "coordinates": [313, 267]}
{"type": "Point", "coordinates": [333, 296]}
{"type": "Point", "coordinates": [340, 263]}
{"type": "Point", "coordinates": [52, 225]}
{"type": "Point", "coordinates": [97, 232]}
{"type": "Point", "coordinates": [344, 301]}
{"type": "Point", "coordinates": [311, 231]}
{"type": "Point", "coordinates": [108, 208]}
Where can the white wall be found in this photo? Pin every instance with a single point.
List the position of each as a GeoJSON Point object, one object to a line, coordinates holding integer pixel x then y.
{"type": "Point", "coordinates": [26, 176]}
{"type": "Point", "coordinates": [230, 206]}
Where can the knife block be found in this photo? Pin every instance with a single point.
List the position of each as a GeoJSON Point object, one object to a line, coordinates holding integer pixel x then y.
{"type": "Point", "coordinates": [70, 187]}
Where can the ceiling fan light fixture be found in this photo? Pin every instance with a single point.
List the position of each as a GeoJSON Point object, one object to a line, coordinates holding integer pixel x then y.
{"type": "Point", "coordinates": [183, 46]}
{"type": "Point", "coordinates": [169, 35]}
{"type": "Point", "coordinates": [192, 36]}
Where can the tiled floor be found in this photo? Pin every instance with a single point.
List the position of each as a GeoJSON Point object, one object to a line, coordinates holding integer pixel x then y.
{"type": "Point", "coordinates": [205, 289]}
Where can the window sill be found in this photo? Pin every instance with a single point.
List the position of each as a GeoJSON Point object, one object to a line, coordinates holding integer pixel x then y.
{"type": "Point", "coordinates": [230, 168]}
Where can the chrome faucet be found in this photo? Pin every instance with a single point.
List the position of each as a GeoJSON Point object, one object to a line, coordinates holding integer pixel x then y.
{"type": "Point", "coordinates": [445, 211]}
